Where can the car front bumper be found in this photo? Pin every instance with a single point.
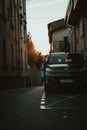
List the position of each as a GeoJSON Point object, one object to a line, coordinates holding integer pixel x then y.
{"type": "Point", "coordinates": [66, 79]}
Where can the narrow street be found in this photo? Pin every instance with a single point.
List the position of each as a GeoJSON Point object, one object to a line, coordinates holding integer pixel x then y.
{"type": "Point", "coordinates": [31, 108]}
{"type": "Point", "coordinates": [30, 32]}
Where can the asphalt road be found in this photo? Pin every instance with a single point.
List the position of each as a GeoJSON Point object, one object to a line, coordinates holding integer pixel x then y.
{"type": "Point", "coordinates": [31, 109]}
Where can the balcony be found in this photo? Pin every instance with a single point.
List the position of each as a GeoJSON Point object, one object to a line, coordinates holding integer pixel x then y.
{"type": "Point", "coordinates": [76, 9]}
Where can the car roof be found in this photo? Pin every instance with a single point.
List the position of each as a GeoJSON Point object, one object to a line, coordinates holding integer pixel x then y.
{"type": "Point", "coordinates": [54, 53]}
{"type": "Point", "coordinates": [58, 52]}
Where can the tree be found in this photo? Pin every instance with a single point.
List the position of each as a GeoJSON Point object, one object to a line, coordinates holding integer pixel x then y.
{"type": "Point", "coordinates": [39, 60]}
{"type": "Point", "coordinates": [34, 56]}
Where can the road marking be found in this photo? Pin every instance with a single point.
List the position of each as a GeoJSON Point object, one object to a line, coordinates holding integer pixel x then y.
{"type": "Point", "coordinates": [51, 105]}
{"type": "Point", "coordinates": [61, 100]}
{"type": "Point", "coordinates": [67, 107]}
{"type": "Point", "coordinates": [42, 103]}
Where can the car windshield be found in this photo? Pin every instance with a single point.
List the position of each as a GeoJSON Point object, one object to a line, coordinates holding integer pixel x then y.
{"type": "Point", "coordinates": [65, 58]}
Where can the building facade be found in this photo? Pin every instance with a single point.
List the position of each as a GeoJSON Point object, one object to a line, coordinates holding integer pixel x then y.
{"type": "Point", "coordinates": [58, 36]}
{"type": "Point", "coordinates": [13, 47]}
{"type": "Point", "coordinates": [76, 16]}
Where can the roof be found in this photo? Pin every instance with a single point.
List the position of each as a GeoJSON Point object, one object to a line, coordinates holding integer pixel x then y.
{"type": "Point", "coordinates": [56, 25]}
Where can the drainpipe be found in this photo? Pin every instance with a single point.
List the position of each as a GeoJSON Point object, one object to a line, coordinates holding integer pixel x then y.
{"type": "Point", "coordinates": [85, 37]}
{"type": "Point", "coordinates": [75, 47]}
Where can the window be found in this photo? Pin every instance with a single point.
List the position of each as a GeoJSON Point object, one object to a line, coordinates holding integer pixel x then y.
{"type": "Point", "coordinates": [3, 6]}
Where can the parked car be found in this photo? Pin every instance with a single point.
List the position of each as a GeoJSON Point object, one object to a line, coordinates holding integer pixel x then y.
{"type": "Point", "coordinates": [62, 69]}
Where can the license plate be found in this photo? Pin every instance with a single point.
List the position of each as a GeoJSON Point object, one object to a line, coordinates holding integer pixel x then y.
{"type": "Point", "coordinates": [66, 81]}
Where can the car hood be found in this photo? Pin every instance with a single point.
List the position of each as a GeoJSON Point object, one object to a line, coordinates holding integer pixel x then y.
{"type": "Point", "coordinates": [57, 65]}
{"type": "Point", "coordinates": [73, 66]}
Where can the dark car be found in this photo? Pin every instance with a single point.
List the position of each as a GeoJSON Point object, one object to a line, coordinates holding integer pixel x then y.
{"type": "Point", "coordinates": [63, 69]}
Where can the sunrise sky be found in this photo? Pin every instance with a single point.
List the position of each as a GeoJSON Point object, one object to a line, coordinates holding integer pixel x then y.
{"type": "Point", "coordinates": [39, 14]}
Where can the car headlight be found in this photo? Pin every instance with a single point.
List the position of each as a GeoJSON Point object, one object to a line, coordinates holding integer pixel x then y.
{"type": "Point", "coordinates": [48, 70]}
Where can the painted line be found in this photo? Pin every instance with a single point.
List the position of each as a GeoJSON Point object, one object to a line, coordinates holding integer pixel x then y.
{"type": "Point", "coordinates": [42, 102]}
{"type": "Point", "coordinates": [68, 107]}
{"type": "Point", "coordinates": [43, 96]}
{"type": "Point", "coordinates": [51, 106]}
{"type": "Point", "coordinates": [58, 101]}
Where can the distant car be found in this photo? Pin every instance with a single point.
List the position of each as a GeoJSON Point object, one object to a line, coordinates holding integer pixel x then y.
{"type": "Point", "coordinates": [63, 69]}
{"type": "Point", "coordinates": [42, 68]}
